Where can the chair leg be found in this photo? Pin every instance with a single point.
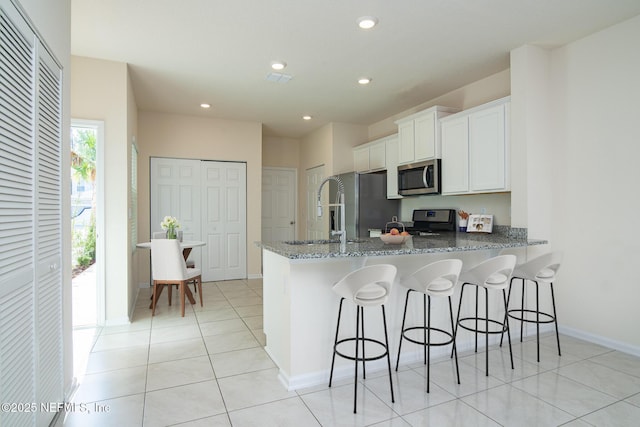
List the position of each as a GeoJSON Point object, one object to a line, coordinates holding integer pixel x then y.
{"type": "Point", "coordinates": [428, 341]}
{"type": "Point", "coordinates": [506, 326]}
{"type": "Point", "coordinates": [453, 339]}
{"type": "Point", "coordinates": [199, 280]}
{"type": "Point", "coordinates": [355, 382]}
{"type": "Point", "coordinates": [455, 332]}
{"type": "Point", "coordinates": [425, 330]}
{"type": "Point", "coordinates": [386, 341]}
{"type": "Point", "coordinates": [486, 336]}
{"type": "Point", "coordinates": [555, 318]}
{"type": "Point", "coordinates": [537, 321]}
{"type": "Point", "coordinates": [364, 371]}
{"type": "Point", "coordinates": [506, 313]}
{"type": "Point", "coordinates": [154, 298]}
{"type": "Point", "coordinates": [404, 316]}
{"type": "Point", "coordinates": [477, 291]}
{"type": "Point", "coordinates": [522, 312]}
{"type": "Point", "coordinates": [182, 296]}
{"type": "Point", "coordinates": [335, 342]}
{"type": "Point", "coordinates": [170, 289]}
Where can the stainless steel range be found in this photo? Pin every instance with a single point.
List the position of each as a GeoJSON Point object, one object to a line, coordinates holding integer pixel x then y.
{"type": "Point", "coordinates": [428, 221]}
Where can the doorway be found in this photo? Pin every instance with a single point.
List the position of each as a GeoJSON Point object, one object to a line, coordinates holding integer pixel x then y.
{"type": "Point", "coordinates": [278, 204]}
{"type": "Point", "coordinates": [87, 223]}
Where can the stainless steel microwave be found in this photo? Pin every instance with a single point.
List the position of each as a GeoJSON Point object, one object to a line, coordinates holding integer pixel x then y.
{"type": "Point", "coordinates": [419, 178]}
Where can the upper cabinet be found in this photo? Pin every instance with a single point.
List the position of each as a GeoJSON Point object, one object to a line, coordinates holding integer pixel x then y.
{"type": "Point", "coordinates": [419, 135]}
{"type": "Point", "coordinates": [370, 157]}
{"type": "Point", "coordinates": [475, 149]}
{"type": "Point", "coordinates": [379, 155]}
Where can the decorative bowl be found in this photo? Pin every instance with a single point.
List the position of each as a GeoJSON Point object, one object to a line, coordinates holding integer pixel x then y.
{"type": "Point", "coordinates": [394, 239]}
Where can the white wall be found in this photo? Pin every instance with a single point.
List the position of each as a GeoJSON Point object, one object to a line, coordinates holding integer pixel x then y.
{"type": "Point", "coordinates": [180, 136]}
{"type": "Point", "coordinates": [100, 91]}
{"type": "Point", "coordinates": [595, 93]}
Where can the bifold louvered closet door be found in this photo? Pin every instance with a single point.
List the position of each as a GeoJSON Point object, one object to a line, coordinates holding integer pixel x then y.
{"type": "Point", "coordinates": [31, 369]}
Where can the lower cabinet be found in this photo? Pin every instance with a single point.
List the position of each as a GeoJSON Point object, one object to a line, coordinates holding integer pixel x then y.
{"type": "Point", "coordinates": [475, 149]}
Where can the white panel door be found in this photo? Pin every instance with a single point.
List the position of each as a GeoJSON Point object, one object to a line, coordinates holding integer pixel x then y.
{"type": "Point", "coordinates": [317, 228]}
{"type": "Point", "coordinates": [175, 191]}
{"type": "Point", "coordinates": [224, 222]}
{"type": "Point", "coordinates": [278, 204]}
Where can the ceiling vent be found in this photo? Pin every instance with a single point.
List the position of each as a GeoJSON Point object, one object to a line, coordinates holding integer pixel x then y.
{"type": "Point", "coordinates": [278, 77]}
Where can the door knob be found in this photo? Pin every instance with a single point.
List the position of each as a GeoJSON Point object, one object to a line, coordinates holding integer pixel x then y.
{"type": "Point", "coordinates": [292, 222]}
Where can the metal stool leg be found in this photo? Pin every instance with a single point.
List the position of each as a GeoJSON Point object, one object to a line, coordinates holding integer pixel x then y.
{"type": "Point", "coordinates": [555, 317]}
{"type": "Point", "coordinates": [486, 336]}
{"type": "Point", "coordinates": [355, 385]}
{"type": "Point", "coordinates": [506, 326]}
{"type": "Point", "coordinates": [455, 333]}
{"type": "Point", "coordinates": [453, 339]}
{"type": "Point", "coordinates": [404, 316]}
{"type": "Point", "coordinates": [386, 340]}
{"type": "Point", "coordinates": [335, 342]}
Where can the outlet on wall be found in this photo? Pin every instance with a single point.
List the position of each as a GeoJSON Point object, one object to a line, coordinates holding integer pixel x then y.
{"type": "Point", "coordinates": [483, 211]}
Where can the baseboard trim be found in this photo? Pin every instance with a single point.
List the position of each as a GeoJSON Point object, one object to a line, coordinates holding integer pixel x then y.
{"type": "Point", "coordinates": [603, 341]}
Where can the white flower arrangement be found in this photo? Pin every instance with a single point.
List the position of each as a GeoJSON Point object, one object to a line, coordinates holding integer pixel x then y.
{"type": "Point", "coordinates": [169, 223]}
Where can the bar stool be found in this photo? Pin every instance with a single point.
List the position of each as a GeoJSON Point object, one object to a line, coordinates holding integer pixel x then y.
{"type": "Point", "coordinates": [542, 269]}
{"type": "Point", "coordinates": [368, 286]}
{"type": "Point", "coordinates": [437, 279]}
{"type": "Point", "coordinates": [494, 274]}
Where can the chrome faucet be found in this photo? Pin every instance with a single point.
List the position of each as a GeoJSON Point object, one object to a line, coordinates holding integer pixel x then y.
{"type": "Point", "coordinates": [340, 196]}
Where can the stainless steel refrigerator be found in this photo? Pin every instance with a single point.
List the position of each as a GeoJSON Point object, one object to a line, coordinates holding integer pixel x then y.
{"type": "Point", "coordinates": [367, 206]}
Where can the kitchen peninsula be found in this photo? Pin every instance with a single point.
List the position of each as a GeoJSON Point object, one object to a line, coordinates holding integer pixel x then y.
{"type": "Point", "coordinates": [300, 309]}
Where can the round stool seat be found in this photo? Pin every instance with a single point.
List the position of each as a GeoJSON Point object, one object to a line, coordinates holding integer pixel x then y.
{"type": "Point", "coordinates": [371, 293]}
{"type": "Point", "coordinates": [496, 279]}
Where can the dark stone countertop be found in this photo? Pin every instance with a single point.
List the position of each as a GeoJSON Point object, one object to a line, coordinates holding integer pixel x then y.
{"type": "Point", "coordinates": [436, 243]}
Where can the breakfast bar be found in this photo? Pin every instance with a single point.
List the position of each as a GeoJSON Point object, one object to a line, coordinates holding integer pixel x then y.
{"type": "Point", "coordinates": [300, 310]}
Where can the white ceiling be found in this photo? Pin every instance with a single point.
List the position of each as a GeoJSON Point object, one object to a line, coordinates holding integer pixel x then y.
{"type": "Point", "coordinates": [183, 53]}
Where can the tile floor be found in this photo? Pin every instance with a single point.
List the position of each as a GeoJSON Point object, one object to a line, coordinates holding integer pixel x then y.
{"type": "Point", "coordinates": [209, 369]}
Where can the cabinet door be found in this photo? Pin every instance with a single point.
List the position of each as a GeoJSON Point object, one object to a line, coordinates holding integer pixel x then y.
{"type": "Point", "coordinates": [487, 149]}
{"type": "Point", "coordinates": [455, 156]}
{"type": "Point", "coordinates": [377, 156]}
{"type": "Point", "coordinates": [392, 169]}
{"type": "Point", "coordinates": [406, 137]}
{"type": "Point", "coordinates": [361, 159]}
{"type": "Point", "coordinates": [425, 137]}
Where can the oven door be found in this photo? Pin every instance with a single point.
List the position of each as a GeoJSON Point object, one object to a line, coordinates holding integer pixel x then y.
{"type": "Point", "coordinates": [419, 178]}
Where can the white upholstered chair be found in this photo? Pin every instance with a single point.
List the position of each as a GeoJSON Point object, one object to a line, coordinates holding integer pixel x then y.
{"type": "Point", "coordinates": [168, 268]}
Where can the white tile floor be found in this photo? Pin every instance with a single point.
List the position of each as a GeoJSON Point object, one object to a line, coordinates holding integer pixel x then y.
{"type": "Point", "coordinates": [209, 369]}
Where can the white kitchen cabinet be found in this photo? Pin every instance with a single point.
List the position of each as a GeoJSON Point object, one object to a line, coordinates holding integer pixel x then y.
{"type": "Point", "coordinates": [475, 155]}
{"type": "Point", "coordinates": [392, 167]}
{"type": "Point", "coordinates": [370, 157]}
{"type": "Point", "coordinates": [419, 135]}
{"type": "Point", "coordinates": [455, 155]}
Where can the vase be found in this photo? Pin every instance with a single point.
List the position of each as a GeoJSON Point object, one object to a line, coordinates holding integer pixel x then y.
{"type": "Point", "coordinates": [462, 225]}
{"type": "Point", "coordinates": [171, 233]}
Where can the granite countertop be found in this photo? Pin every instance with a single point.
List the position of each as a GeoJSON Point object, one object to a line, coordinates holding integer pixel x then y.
{"type": "Point", "coordinates": [441, 242]}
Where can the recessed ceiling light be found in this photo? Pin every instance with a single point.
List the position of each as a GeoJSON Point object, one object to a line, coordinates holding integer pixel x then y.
{"type": "Point", "coordinates": [306, 117]}
{"type": "Point", "coordinates": [205, 105]}
{"type": "Point", "coordinates": [364, 80]}
{"type": "Point", "coordinates": [367, 22]}
{"type": "Point", "coordinates": [278, 65]}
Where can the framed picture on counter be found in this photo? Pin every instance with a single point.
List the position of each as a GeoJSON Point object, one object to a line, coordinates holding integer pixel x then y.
{"type": "Point", "coordinates": [480, 224]}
